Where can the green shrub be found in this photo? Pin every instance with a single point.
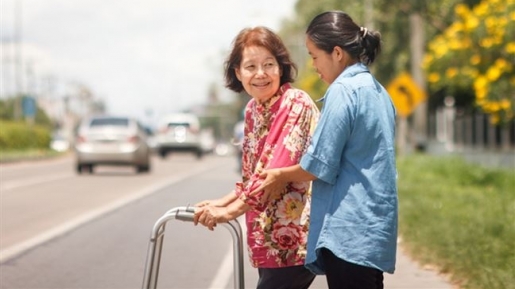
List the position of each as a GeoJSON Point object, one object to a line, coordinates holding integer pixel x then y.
{"type": "Point", "coordinates": [22, 136]}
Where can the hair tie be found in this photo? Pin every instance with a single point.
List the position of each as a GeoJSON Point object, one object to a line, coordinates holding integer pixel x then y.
{"type": "Point", "coordinates": [364, 30]}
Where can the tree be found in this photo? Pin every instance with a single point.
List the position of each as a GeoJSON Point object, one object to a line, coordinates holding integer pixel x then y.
{"type": "Point", "coordinates": [476, 53]}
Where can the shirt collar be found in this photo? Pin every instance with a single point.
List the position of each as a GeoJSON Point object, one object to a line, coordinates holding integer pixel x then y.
{"type": "Point", "coordinates": [270, 102]}
{"type": "Point", "coordinates": [350, 71]}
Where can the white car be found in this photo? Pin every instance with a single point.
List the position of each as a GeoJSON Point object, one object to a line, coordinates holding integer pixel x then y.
{"type": "Point", "coordinates": [179, 132]}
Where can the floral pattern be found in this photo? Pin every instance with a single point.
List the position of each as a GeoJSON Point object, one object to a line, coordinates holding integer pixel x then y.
{"type": "Point", "coordinates": [277, 133]}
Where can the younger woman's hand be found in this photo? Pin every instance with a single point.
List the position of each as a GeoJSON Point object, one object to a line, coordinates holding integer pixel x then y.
{"type": "Point", "coordinates": [272, 185]}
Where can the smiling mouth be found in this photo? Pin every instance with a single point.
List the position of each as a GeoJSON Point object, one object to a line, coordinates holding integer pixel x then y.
{"type": "Point", "coordinates": [261, 84]}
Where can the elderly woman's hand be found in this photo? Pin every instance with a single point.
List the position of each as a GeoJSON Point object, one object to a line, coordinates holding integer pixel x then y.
{"type": "Point", "coordinates": [209, 216]}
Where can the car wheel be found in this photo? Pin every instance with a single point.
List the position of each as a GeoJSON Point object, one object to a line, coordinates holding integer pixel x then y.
{"type": "Point", "coordinates": [143, 168]}
{"type": "Point", "coordinates": [162, 154]}
{"type": "Point", "coordinates": [84, 168]}
{"type": "Point", "coordinates": [199, 153]}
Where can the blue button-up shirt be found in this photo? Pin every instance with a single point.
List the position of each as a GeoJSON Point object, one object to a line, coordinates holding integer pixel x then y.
{"type": "Point", "coordinates": [352, 154]}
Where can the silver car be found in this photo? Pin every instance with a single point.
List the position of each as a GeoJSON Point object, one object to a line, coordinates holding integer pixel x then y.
{"type": "Point", "coordinates": [109, 140]}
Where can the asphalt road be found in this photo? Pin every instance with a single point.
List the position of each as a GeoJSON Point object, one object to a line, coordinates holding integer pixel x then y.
{"type": "Point", "coordinates": [62, 230]}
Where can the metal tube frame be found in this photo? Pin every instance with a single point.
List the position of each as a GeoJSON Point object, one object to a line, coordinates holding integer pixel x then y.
{"type": "Point", "coordinates": [186, 214]}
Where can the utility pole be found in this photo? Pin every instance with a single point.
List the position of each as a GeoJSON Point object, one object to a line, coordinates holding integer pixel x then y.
{"type": "Point", "coordinates": [417, 39]}
{"type": "Point", "coordinates": [18, 74]}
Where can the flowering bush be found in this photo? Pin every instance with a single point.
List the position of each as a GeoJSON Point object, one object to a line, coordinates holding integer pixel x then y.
{"type": "Point", "coordinates": [477, 52]}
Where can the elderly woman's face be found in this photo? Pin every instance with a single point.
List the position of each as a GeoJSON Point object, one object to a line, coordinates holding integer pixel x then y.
{"type": "Point", "coordinates": [259, 73]}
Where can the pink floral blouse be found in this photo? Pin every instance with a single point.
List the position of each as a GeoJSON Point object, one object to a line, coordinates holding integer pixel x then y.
{"type": "Point", "coordinates": [277, 133]}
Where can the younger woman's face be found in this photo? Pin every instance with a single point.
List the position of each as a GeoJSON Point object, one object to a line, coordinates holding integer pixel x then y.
{"type": "Point", "coordinates": [327, 65]}
{"type": "Point", "coordinates": [259, 73]}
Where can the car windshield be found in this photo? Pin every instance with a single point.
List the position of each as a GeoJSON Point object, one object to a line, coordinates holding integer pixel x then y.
{"type": "Point", "coordinates": [179, 124]}
{"type": "Point", "coordinates": [109, 122]}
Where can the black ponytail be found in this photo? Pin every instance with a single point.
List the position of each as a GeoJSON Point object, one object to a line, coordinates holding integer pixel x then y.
{"type": "Point", "coordinates": [370, 45]}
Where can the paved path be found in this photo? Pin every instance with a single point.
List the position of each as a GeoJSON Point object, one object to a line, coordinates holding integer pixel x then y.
{"type": "Point", "coordinates": [409, 275]}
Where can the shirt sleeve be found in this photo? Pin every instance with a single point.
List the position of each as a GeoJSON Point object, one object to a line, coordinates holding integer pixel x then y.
{"type": "Point", "coordinates": [325, 152]}
{"type": "Point", "coordinates": [286, 142]}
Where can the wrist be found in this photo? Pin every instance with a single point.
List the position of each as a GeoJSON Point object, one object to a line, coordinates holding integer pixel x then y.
{"type": "Point", "coordinates": [228, 214]}
{"type": "Point", "coordinates": [280, 175]}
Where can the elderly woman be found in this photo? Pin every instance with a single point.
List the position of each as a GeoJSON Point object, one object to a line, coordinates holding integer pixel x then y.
{"type": "Point", "coordinates": [278, 124]}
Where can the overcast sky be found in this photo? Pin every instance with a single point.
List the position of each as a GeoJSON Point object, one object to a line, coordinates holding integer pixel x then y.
{"type": "Point", "coordinates": [137, 55]}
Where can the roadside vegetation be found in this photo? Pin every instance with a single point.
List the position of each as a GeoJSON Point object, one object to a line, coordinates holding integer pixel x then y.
{"type": "Point", "coordinates": [22, 138]}
{"type": "Point", "coordinates": [459, 217]}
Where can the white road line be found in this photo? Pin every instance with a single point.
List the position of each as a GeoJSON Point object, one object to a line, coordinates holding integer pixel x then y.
{"type": "Point", "coordinates": [19, 248]}
{"type": "Point", "coordinates": [223, 275]}
{"type": "Point", "coordinates": [9, 185]}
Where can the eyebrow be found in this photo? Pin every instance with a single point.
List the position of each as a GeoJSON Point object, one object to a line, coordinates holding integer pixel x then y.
{"type": "Point", "coordinates": [252, 60]}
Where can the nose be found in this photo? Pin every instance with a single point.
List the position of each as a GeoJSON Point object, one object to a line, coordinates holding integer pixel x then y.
{"type": "Point", "coordinates": [260, 71]}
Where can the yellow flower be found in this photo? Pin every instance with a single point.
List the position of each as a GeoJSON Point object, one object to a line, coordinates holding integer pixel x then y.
{"type": "Point", "coordinates": [481, 82]}
{"type": "Point", "coordinates": [462, 10]}
{"type": "Point", "coordinates": [475, 59]}
{"type": "Point", "coordinates": [440, 51]}
{"type": "Point", "coordinates": [510, 47]}
{"type": "Point", "coordinates": [433, 77]}
{"type": "Point", "coordinates": [486, 43]}
{"type": "Point", "coordinates": [512, 16]}
{"type": "Point", "coordinates": [455, 44]}
{"type": "Point", "coordinates": [471, 23]}
{"type": "Point", "coordinates": [505, 104]}
{"type": "Point", "coordinates": [502, 64]}
{"type": "Point", "coordinates": [451, 72]}
{"type": "Point", "coordinates": [481, 94]}
{"type": "Point", "coordinates": [481, 9]}
{"type": "Point", "coordinates": [494, 106]}
{"type": "Point", "coordinates": [491, 22]}
{"type": "Point", "coordinates": [493, 73]}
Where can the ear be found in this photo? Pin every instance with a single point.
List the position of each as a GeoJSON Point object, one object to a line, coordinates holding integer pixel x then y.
{"type": "Point", "coordinates": [338, 53]}
{"type": "Point", "coordinates": [238, 74]}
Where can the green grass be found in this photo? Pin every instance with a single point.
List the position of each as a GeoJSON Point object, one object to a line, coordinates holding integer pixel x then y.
{"type": "Point", "coordinates": [459, 217]}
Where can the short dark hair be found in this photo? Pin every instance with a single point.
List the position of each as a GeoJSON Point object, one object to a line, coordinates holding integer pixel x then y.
{"type": "Point", "coordinates": [262, 37]}
{"type": "Point", "coordinates": [336, 28]}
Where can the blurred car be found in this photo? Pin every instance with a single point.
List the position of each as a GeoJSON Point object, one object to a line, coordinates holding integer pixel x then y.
{"type": "Point", "coordinates": [179, 132]}
{"type": "Point", "coordinates": [59, 143]}
{"type": "Point", "coordinates": [110, 140]}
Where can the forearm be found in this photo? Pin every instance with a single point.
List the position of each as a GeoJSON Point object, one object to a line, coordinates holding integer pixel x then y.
{"type": "Point", "coordinates": [236, 208]}
{"type": "Point", "coordinates": [294, 174]}
{"type": "Point", "coordinates": [227, 199]}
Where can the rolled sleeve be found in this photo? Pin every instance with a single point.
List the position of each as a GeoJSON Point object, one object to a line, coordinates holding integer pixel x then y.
{"type": "Point", "coordinates": [318, 168]}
